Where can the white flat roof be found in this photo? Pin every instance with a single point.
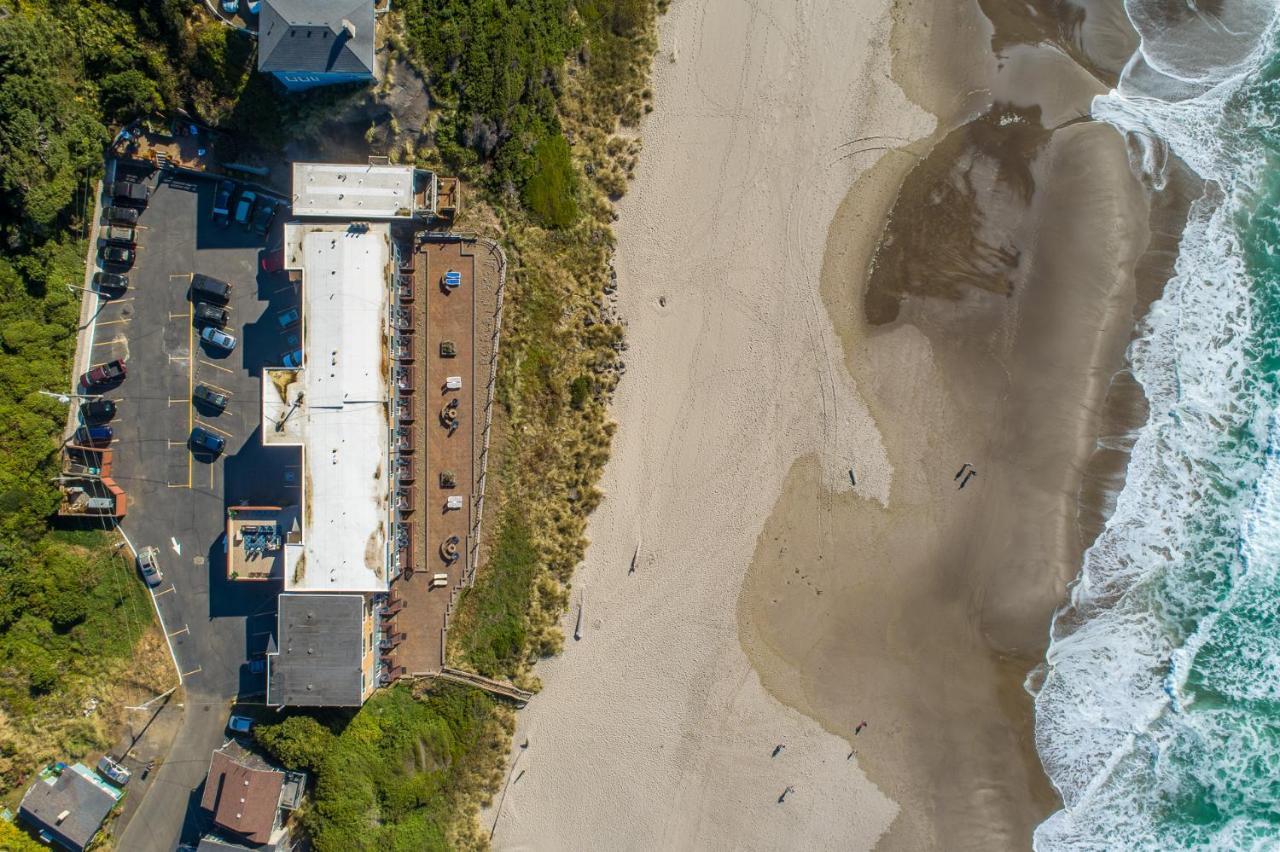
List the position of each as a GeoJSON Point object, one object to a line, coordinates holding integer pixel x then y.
{"type": "Point", "coordinates": [344, 419]}
{"type": "Point", "coordinates": [334, 190]}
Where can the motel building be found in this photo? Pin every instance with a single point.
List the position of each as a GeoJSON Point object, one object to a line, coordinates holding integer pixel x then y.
{"type": "Point", "coordinates": [332, 402]}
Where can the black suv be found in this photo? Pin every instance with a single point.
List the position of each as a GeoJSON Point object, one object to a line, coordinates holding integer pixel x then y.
{"type": "Point", "coordinates": [98, 410]}
{"type": "Point", "coordinates": [207, 314]}
{"type": "Point", "coordinates": [122, 215]}
{"type": "Point", "coordinates": [110, 284]}
{"type": "Point", "coordinates": [204, 441]}
{"type": "Point", "coordinates": [205, 287]}
{"type": "Point", "coordinates": [208, 397]}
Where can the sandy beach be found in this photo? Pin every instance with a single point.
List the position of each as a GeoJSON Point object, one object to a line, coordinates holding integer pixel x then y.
{"type": "Point", "coordinates": [654, 731]}
{"type": "Point", "coordinates": [866, 245]}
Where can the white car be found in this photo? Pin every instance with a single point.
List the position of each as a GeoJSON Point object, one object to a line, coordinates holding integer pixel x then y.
{"type": "Point", "coordinates": [149, 565]}
{"type": "Point", "coordinates": [240, 725]}
{"type": "Point", "coordinates": [245, 207]}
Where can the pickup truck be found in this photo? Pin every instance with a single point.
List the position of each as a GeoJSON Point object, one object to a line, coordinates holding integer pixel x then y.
{"type": "Point", "coordinates": [103, 374]}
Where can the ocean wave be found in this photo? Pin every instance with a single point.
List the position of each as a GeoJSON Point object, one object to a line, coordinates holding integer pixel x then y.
{"type": "Point", "coordinates": [1157, 702]}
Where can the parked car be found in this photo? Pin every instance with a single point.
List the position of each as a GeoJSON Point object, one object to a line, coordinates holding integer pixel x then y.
{"type": "Point", "coordinates": [263, 215]}
{"type": "Point", "coordinates": [110, 284]}
{"type": "Point", "coordinates": [231, 6]}
{"type": "Point", "coordinates": [204, 441]}
{"type": "Point", "coordinates": [104, 374]}
{"type": "Point", "coordinates": [130, 194]}
{"type": "Point", "coordinates": [215, 336]}
{"type": "Point", "coordinates": [123, 215]}
{"type": "Point", "coordinates": [209, 397]}
{"type": "Point", "coordinates": [291, 360]}
{"type": "Point", "coordinates": [149, 566]}
{"type": "Point", "coordinates": [206, 287]}
{"type": "Point", "coordinates": [123, 235]}
{"type": "Point", "coordinates": [113, 771]}
{"type": "Point", "coordinates": [97, 410]}
{"type": "Point", "coordinates": [287, 318]}
{"type": "Point", "coordinates": [254, 6]}
{"type": "Point", "coordinates": [257, 665]}
{"type": "Point", "coordinates": [94, 436]}
{"type": "Point", "coordinates": [222, 202]}
{"type": "Point", "coordinates": [115, 255]}
{"type": "Point", "coordinates": [208, 314]}
{"type": "Point", "coordinates": [245, 207]}
{"type": "Point", "coordinates": [273, 261]}
{"type": "Point", "coordinates": [240, 724]}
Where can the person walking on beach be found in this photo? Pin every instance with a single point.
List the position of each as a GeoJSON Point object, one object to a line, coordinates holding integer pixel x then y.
{"type": "Point", "coordinates": [967, 477]}
{"type": "Point", "coordinates": [961, 471]}
{"type": "Point", "coordinates": [776, 749]}
{"type": "Point", "coordinates": [858, 729]}
{"type": "Point", "coordinates": [783, 797]}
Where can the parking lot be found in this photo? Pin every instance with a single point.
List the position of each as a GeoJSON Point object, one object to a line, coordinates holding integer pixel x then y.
{"type": "Point", "coordinates": [178, 498]}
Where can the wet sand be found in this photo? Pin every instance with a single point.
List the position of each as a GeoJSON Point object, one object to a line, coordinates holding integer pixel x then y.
{"type": "Point", "coordinates": [987, 325]}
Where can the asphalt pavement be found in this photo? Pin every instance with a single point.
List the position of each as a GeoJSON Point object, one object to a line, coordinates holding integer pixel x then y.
{"type": "Point", "coordinates": [177, 500]}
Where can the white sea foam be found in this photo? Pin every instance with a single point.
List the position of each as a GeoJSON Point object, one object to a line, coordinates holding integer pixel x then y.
{"type": "Point", "coordinates": [1199, 515]}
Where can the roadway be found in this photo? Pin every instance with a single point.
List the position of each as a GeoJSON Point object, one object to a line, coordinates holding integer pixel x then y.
{"type": "Point", "coordinates": [178, 502]}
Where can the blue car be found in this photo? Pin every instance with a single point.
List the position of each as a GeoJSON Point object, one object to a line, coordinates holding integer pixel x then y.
{"type": "Point", "coordinates": [217, 337]}
{"type": "Point", "coordinates": [292, 360]}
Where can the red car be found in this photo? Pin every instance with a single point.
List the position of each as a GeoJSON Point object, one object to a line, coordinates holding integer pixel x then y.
{"type": "Point", "coordinates": [104, 374]}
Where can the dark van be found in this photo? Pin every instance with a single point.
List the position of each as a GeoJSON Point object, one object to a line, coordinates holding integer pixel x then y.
{"type": "Point", "coordinates": [131, 193]}
{"type": "Point", "coordinates": [204, 287]}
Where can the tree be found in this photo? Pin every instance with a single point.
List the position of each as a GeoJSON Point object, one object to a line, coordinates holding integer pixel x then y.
{"type": "Point", "coordinates": [50, 135]}
{"type": "Point", "coordinates": [299, 742]}
{"type": "Point", "coordinates": [128, 95]}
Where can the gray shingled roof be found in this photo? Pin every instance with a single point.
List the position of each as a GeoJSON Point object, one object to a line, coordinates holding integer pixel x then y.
{"type": "Point", "coordinates": [321, 643]}
{"type": "Point", "coordinates": [307, 35]}
{"type": "Point", "coordinates": [87, 802]}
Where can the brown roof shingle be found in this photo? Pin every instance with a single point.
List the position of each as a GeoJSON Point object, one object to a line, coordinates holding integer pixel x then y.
{"type": "Point", "coordinates": [243, 800]}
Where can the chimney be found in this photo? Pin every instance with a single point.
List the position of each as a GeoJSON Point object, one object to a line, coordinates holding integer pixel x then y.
{"type": "Point", "coordinates": [348, 28]}
{"type": "Point", "coordinates": [62, 816]}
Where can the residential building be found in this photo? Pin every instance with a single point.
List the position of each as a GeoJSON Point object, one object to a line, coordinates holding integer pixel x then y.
{"type": "Point", "coordinates": [309, 43]}
{"type": "Point", "coordinates": [244, 796]}
{"type": "Point", "coordinates": [67, 805]}
{"type": "Point", "coordinates": [325, 656]}
{"type": "Point", "coordinates": [375, 190]}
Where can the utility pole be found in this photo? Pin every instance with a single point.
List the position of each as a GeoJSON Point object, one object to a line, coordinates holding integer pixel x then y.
{"type": "Point", "coordinates": [65, 398]}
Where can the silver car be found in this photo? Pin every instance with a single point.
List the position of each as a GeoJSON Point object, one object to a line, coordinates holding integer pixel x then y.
{"type": "Point", "coordinates": [149, 565]}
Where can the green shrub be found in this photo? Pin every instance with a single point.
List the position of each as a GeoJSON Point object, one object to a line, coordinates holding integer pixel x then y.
{"type": "Point", "coordinates": [492, 614]}
{"type": "Point", "coordinates": [129, 94]}
{"type": "Point", "coordinates": [579, 392]}
{"type": "Point", "coordinates": [549, 191]}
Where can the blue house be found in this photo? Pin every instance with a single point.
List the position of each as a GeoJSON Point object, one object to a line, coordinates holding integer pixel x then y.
{"type": "Point", "coordinates": [308, 43]}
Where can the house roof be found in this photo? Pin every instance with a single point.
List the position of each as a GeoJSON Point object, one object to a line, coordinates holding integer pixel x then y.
{"type": "Point", "coordinates": [243, 799]}
{"type": "Point", "coordinates": [349, 191]}
{"type": "Point", "coordinates": [75, 790]}
{"type": "Point", "coordinates": [321, 644]}
{"type": "Point", "coordinates": [343, 411]}
{"type": "Point", "coordinates": [309, 35]}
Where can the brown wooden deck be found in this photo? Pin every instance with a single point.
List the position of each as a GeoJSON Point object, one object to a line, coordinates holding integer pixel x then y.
{"type": "Point", "coordinates": [439, 316]}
